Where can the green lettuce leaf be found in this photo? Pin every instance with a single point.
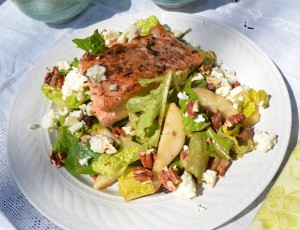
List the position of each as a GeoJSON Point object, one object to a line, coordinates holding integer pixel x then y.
{"type": "Point", "coordinates": [114, 165]}
{"type": "Point", "coordinates": [55, 96]}
{"type": "Point", "coordinates": [239, 150]}
{"type": "Point", "coordinates": [143, 111]}
{"type": "Point", "coordinates": [78, 152]}
{"type": "Point", "coordinates": [94, 44]}
{"type": "Point", "coordinates": [147, 24]}
{"type": "Point", "coordinates": [189, 124]}
{"type": "Point", "coordinates": [219, 146]}
{"type": "Point", "coordinates": [65, 140]}
{"type": "Point", "coordinates": [130, 188]}
{"type": "Point", "coordinates": [198, 155]}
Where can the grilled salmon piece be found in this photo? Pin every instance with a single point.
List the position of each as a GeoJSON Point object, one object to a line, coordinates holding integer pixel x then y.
{"type": "Point", "coordinates": [145, 57]}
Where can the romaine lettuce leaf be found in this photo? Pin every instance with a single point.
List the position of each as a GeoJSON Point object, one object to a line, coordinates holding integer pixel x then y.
{"type": "Point", "coordinates": [190, 124]}
{"type": "Point", "coordinates": [130, 188]}
{"type": "Point", "coordinates": [78, 152]}
{"type": "Point", "coordinates": [114, 165]}
{"type": "Point", "coordinates": [239, 150]}
{"type": "Point", "coordinates": [147, 24]}
{"type": "Point", "coordinates": [198, 155]}
{"type": "Point", "coordinates": [218, 146]}
{"type": "Point", "coordinates": [143, 111]}
{"type": "Point", "coordinates": [64, 140]}
{"type": "Point", "coordinates": [55, 96]}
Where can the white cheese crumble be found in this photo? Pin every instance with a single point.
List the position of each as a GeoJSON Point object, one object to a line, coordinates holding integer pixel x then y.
{"type": "Point", "coordinates": [129, 34]}
{"type": "Point", "coordinates": [110, 36]}
{"type": "Point", "coordinates": [113, 87]}
{"type": "Point", "coordinates": [199, 118]}
{"type": "Point", "coordinates": [74, 82]}
{"type": "Point", "coordinates": [50, 119]}
{"type": "Point", "coordinates": [185, 147]}
{"type": "Point", "coordinates": [199, 76]}
{"type": "Point", "coordinates": [84, 161]}
{"type": "Point", "coordinates": [263, 141]}
{"type": "Point", "coordinates": [96, 73]}
{"type": "Point", "coordinates": [210, 177]}
{"type": "Point", "coordinates": [63, 65]}
{"type": "Point", "coordinates": [128, 130]}
{"type": "Point", "coordinates": [182, 96]}
{"type": "Point", "coordinates": [237, 95]}
{"type": "Point", "coordinates": [73, 121]}
{"type": "Point", "coordinates": [187, 187]}
{"type": "Point", "coordinates": [102, 144]}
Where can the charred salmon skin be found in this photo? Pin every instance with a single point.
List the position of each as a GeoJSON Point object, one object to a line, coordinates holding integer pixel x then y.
{"type": "Point", "coordinates": [148, 56]}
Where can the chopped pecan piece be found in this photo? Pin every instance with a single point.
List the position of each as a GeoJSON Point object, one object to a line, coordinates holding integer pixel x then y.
{"type": "Point", "coordinates": [234, 119]}
{"type": "Point", "coordinates": [142, 175]}
{"type": "Point", "coordinates": [192, 109]}
{"type": "Point", "coordinates": [223, 166]}
{"type": "Point", "coordinates": [213, 83]}
{"type": "Point", "coordinates": [57, 159]}
{"type": "Point", "coordinates": [217, 120]}
{"type": "Point", "coordinates": [169, 178]}
{"type": "Point", "coordinates": [147, 158]}
{"type": "Point", "coordinates": [236, 84]}
{"type": "Point", "coordinates": [118, 132]}
{"type": "Point", "coordinates": [205, 69]}
{"type": "Point", "coordinates": [54, 79]}
{"type": "Point", "coordinates": [219, 165]}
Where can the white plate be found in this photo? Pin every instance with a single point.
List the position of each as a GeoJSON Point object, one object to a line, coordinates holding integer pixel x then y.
{"type": "Point", "coordinates": [71, 202]}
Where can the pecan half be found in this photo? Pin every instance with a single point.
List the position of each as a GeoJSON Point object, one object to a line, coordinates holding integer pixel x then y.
{"type": "Point", "coordinates": [213, 83]}
{"type": "Point", "coordinates": [169, 178]}
{"type": "Point", "coordinates": [57, 159]}
{"type": "Point", "coordinates": [192, 109]}
{"type": "Point", "coordinates": [234, 119]}
{"type": "Point", "coordinates": [217, 120]}
{"type": "Point", "coordinates": [142, 175]}
{"type": "Point", "coordinates": [118, 132]}
{"type": "Point", "coordinates": [147, 158]}
{"type": "Point", "coordinates": [54, 79]}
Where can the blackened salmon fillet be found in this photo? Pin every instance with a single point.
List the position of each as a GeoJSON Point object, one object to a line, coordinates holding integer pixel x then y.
{"type": "Point", "coordinates": [148, 56]}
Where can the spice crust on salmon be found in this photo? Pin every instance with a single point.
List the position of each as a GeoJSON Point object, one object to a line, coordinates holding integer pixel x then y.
{"type": "Point", "coordinates": [148, 57]}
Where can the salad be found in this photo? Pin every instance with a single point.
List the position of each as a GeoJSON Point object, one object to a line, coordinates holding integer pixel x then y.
{"type": "Point", "coordinates": [156, 126]}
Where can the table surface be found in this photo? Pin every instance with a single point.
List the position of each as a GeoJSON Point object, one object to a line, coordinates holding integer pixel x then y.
{"type": "Point", "coordinates": [274, 25]}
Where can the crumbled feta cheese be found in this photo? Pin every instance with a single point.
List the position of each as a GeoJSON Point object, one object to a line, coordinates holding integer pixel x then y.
{"type": "Point", "coordinates": [113, 87]}
{"type": "Point", "coordinates": [110, 36]}
{"type": "Point", "coordinates": [63, 112]}
{"type": "Point", "coordinates": [217, 73]}
{"type": "Point", "coordinates": [199, 118]}
{"type": "Point", "coordinates": [199, 76]}
{"type": "Point", "coordinates": [210, 177]}
{"type": "Point", "coordinates": [225, 87]}
{"type": "Point", "coordinates": [84, 161]}
{"type": "Point", "coordinates": [80, 96]}
{"type": "Point", "coordinates": [50, 119]}
{"type": "Point", "coordinates": [74, 82]}
{"type": "Point", "coordinates": [263, 141]}
{"type": "Point", "coordinates": [187, 187]}
{"type": "Point", "coordinates": [73, 121]}
{"type": "Point", "coordinates": [76, 127]}
{"type": "Point", "coordinates": [185, 114]}
{"type": "Point", "coordinates": [89, 109]}
{"type": "Point", "coordinates": [200, 208]}
{"type": "Point", "coordinates": [230, 75]}
{"type": "Point", "coordinates": [96, 73]}
{"type": "Point", "coordinates": [130, 34]}
{"type": "Point", "coordinates": [237, 95]}
{"type": "Point", "coordinates": [102, 144]}
{"type": "Point", "coordinates": [63, 65]}
{"type": "Point", "coordinates": [185, 147]}
{"type": "Point", "coordinates": [128, 130]}
{"type": "Point", "coordinates": [182, 96]}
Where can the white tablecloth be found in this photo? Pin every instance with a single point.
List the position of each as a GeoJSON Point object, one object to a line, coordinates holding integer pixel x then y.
{"type": "Point", "coordinates": [274, 25]}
